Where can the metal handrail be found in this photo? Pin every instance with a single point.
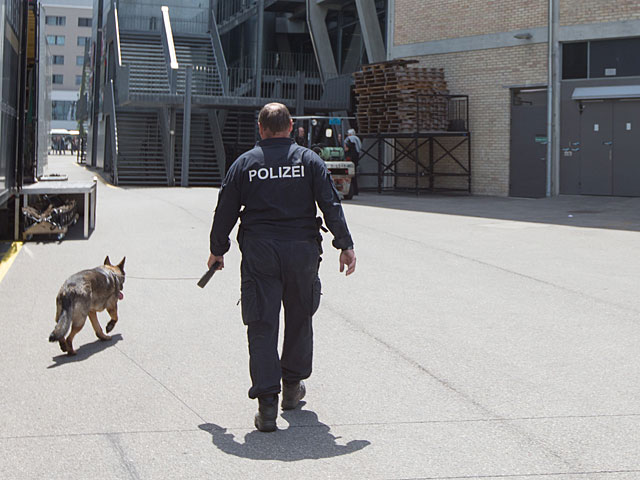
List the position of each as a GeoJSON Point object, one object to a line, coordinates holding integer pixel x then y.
{"type": "Point", "coordinates": [170, 57]}
{"type": "Point", "coordinates": [218, 51]}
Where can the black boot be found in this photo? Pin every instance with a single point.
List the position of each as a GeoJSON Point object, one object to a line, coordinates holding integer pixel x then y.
{"type": "Point", "coordinates": [292, 393]}
{"type": "Point", "coordinates": [265, 419]}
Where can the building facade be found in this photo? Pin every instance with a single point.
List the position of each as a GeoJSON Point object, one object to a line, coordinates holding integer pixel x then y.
{"type": "Point", "coordinates": [497, 53]}
{"type": "Point", "coordinates": [19, 77]}
{"type": "Point", "coordinates": [179, 83]}
{"type": "Point", "coordinates": [67, 29]}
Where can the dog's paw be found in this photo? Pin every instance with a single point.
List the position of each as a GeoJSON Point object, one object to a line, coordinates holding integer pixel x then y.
{"type": "Point", "coordinates": [71, 353]}
{"type": "Point", "coordinates": [105, 338]}
{"type": "Point", "coordinates": [110, 326]}
{"type": "Point", "coordinates": [63, 345]}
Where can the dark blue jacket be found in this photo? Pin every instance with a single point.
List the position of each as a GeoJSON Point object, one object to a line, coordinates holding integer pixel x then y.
{"type": "Point", "coordinates": [279, 184]}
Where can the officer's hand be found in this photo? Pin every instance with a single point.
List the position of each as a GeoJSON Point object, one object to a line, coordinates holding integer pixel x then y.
{"type": "Point", "coordinates": [213, 259]}
{"type": "Point", "coordinates": [348, 258]}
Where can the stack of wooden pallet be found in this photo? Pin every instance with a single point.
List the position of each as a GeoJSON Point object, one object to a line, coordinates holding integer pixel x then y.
{"type": "Point", "coordinates": [395, 98]}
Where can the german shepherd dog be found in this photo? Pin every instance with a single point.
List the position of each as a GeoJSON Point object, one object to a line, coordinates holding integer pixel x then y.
{"type": "Point", "coordinates": [86, 293]}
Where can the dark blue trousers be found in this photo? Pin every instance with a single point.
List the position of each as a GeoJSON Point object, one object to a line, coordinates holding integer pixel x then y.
{"type": "Point", "coordinates": [275, 273]}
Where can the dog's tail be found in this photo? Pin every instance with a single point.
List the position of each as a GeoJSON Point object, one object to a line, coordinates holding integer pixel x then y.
{"type": "Point", "coordinates": [62, 327]}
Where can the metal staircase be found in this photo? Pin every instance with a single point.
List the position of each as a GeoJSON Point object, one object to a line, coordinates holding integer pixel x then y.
{"type": "Point", "coordinates": [198, 52]}
{"type": "Point", "coordinates": [203, 162]}
{"type": "Point", "coordinates": [140, 150]}
{"type": "Point", "coordinates": [239, 133]}
{"type": "Point", "coordinates": [231, 13]}
{"type": "Point", "coordinates": [145, 57]}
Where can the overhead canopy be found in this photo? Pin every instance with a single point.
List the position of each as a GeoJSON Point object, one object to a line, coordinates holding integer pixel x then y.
{"type": "Point", "coordinates": [599, 93]}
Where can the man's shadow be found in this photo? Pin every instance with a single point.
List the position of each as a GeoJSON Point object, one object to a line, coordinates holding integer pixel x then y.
{"type": "Point", "coordinates": [85, 351]}
{"type": "Point", "coordinates": [306, 438]}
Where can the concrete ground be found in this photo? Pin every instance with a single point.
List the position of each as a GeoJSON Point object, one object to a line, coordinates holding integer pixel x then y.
{"type": "Point", "coordinates": [479, 338]}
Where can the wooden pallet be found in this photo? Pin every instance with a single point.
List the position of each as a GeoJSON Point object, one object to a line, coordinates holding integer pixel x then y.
{"type": "Point", "coordinates": [392, 96]}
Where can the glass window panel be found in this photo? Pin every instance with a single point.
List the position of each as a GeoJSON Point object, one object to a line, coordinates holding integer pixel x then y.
{"type": "Point", "coordinates": [574, 60]}
{"type": "Point", "coordinates": [615, 58]}
{"type": "Point", "coordinates": [63, 110]}
{"type": "Point", "coordinates": [55, 20]}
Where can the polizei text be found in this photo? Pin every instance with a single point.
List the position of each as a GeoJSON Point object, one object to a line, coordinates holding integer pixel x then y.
{"type": "Point", "coordinates": [285, 171]}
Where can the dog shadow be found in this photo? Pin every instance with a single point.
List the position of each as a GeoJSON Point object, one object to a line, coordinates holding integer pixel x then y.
{"type": "Point", "coordinates": [306, 438]}
{"type": "Point", "coordinates": [85, 351]}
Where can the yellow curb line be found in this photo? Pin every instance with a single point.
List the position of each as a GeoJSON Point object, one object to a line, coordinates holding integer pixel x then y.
{"type": "Point", "coordinates": [9, 257]}
{"type": "Point", "coordinates": [104, 182]}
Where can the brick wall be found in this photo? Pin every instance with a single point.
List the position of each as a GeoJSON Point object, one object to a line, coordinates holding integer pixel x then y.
{"type": "Point", "coordinates": [426, 20]}
{"type": "Point", "coordinates": [483, 75]}
{"type": "Point", "coordinates": [574, 12]}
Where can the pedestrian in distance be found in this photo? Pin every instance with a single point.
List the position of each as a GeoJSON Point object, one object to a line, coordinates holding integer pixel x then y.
{"type": "Point", "coordinates": [300, 137]}
{"type": "Point", "coordinates": [352, 149]}
{"type": "Point", "coordinates": [277, 185]}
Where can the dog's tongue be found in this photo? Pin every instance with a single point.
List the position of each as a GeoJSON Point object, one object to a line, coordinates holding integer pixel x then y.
{"type": "Point", "coordinates": [120, 295]}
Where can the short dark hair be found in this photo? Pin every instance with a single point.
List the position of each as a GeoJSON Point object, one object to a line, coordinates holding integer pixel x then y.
{"type": "Point", "coordinates": [275, 117]}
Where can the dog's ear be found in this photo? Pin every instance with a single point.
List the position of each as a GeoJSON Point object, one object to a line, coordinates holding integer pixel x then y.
{"type": "Point", "coordinates": [107, 261]}
{"type": "Point", "coordinates": [121, 264]}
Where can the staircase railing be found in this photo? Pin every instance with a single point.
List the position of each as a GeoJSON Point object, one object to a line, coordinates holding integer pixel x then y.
{"type": "Point", "coordinates": [228, 9]}
{"type": "Point", "coordinates": [205, 80]}
{"type": "Point", "coordinates": [171, 60]}
{"type": "Point", "coordinates": [145, 16]}
{"type": "Point", "coordinates": [110, 107]}
{"type": "Point", "coordinates": [121, 87]}
{"type": "Point", "coordinates": [218, 52]}
{"type": "Point", "coordinates": [278, 84]}
{"type": "Point", "coordinates": [231, 13]}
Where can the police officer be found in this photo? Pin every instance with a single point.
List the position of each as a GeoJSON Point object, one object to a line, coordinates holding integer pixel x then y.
{"type": "Point", "coordinates": [274, 189]}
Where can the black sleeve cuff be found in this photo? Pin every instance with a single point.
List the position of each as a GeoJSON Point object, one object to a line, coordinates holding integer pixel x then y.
{"type": "Point", "coordinates": [343, 242]}
{"type": "Point", "coordinates": [220, 250]}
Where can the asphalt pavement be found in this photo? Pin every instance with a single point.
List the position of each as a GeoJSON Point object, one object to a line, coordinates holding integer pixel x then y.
{"type": "Point", "coordinates": [480, 337]}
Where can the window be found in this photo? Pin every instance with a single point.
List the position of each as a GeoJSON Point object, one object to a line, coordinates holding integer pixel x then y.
{"type": "Point", "coordinates": [78, 79]}
{"type": "Point", "coordinates": [53, 20]}
{"type": "Point", "coordinates": [574, 60]}
{"type": "Point", "coordinates": [84, 22]}
{"type": "Point", "coordinates": [614, 58]}
{"type": "Point", "coordinates": [82, 41]}
{"type": "Point", "coordinates": [80, 60]}
{"type": "Point", "coordinates": [57, 79]}
{"type": "Point", "coordinates": [63, 110]}
{"type": "Point", "coordinates": [601, 58]}
{"type": "Point", "coordinates": [55, 39]}
{"type": "Point", "coordinates": [58, 60]}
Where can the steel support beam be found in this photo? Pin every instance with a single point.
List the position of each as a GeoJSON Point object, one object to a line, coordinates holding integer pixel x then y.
{"type": "Point", "coordinates": [553, 101]}
{"type": "Point", "coordinates": [114, 133]}
{"type": "Point", "coordinates": [218, 142]}
{"type": "Point", "coordinates": [371, 32]}
{"type": "Point", "coordinates": [259, 48]}
{"type": "Point", "coordinates": [167, 152]}
{"type": "Point", "coordinates": [316, 15]}
{"type": "Point", "coordinates": [186, 128]}
{"type": "Point", "coordinates": [97, 75]}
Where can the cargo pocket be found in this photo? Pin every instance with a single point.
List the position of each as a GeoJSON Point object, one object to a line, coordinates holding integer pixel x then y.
{"type": "Point", "coordinates": [316, 294]}
{"type": "Point", "coordinates": [249, 301]}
